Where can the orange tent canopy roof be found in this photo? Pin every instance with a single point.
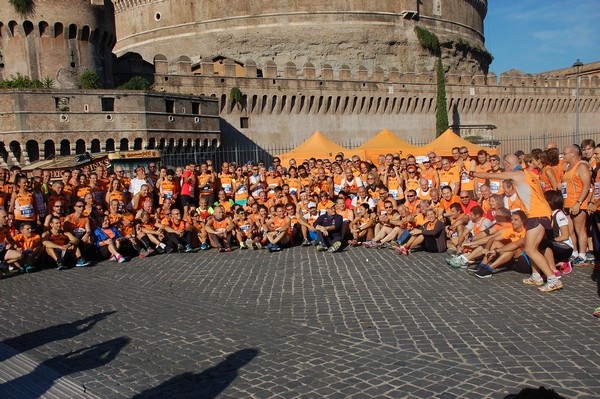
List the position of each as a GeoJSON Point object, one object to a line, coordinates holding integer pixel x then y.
{"type": "Point", "coordinates": [317, 146]}
{"type": "Point", "coordinates": [386, 142]}
{"type": "Point", "coordinates": [443, 145]}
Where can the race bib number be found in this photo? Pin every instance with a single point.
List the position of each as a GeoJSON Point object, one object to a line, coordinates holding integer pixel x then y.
{"type": "Point", "coordinates": [564, 190]}
{"type": "Point", "coordinates": [495, 187]}
{"type": "Point", "coordinates": [226, 188]}
{"type": "Point", "coordinates": [394, 194]}
{"type": "Point", "coordinates": [78, 232]}
{"type": "Point", "coordinates": [26, 211]}
{"type": "Point", "coordinates": [596, 190]}
{"type": "Point", "coordinates": [168, 195]}
{"type": "Point", "coordinates": [337, 188]}
{"type": "Point", "coordinates": [464, 178]}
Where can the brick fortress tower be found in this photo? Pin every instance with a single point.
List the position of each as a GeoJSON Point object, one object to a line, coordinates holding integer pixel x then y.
{"type": "Point", "coordinates": [57, 39]}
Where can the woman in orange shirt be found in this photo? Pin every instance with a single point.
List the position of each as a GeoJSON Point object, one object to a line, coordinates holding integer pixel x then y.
{"type": "Point", "coordinates": [22, 204]}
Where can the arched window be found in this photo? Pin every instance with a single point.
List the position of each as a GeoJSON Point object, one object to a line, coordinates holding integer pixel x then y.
{"type": "Point", "coordinates": [80, 146]}
{"type": "Point", "coordinates": [65, 147]}
{"type": "Point", "coordinates": [49, 149]}
{"type": "Point", "coordinates": [15, 148]}
{"type": "Point", "coordinates": [33, 150]}
{"type": "Point", "coordinates": [96, 146]}
{"type": "Point", "coordinates": [72, 31]}
{"type": "Point", "coordinates": [110, 145]}
{"type": "Point", "coordinates": [124, 146]}
{"type": "Point", "coordinates": [137, 144]}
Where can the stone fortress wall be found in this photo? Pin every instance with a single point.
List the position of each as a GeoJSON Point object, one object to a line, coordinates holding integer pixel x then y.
{"type": "Point", "coordinates": [356, 32]}
{"type": "Point", "coordinates": [58, 39]}
{"type": "Point", "coordinates": [35, 124]}
{"type": "Point", "coordinates": [285, 104]}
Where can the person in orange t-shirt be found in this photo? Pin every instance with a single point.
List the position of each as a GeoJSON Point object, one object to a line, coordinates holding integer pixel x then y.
{"type": "Point", "coordinates": [30, 245]}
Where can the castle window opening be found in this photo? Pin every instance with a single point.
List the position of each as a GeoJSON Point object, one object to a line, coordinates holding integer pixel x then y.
{"type": "Point", "coordinates": [72, 31]}
{"type": "Point", "coordinates": [137, 144]}
{"type": "Point", "coordinates": [110, 145]}
{"type": "Point", "coordinates": [244, 122]}
{"type": "Point", "coordinates": [108, 104]}
{"type": "Point", "coordinates": [15, 148]}
{"type": "Point", "coordinates": [33, 150]}
{"type": "Point", "coordinates": [79, 147]}
{"type": "Point", "coordinates": [95, 146]}
{"type": "Point", "coordinates": [58, 29]}
{"type": "Point", "coordinates": [49, 149]}
{"type": "Point", "coordinates": [157, 17]}
{"type": "Point", "coordinates": [65, 147]}
{"type": "Point", "coordinates": [28, 27]}
{"type": "Point", "coordinates": [195, 108]}
{"type": "Point", "coordinates": [170, 106]}
{"type": "Point", "coordinates": [124, 145]}
{"type": "Point", "coordinates": [3, 152]}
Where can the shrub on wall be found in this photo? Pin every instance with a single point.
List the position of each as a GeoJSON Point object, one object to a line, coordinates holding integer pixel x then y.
{"type": "Point", "coordinates": [235, 95]}
{"type": "Point", "coordinates": [90, 80]}
{"type": "Point", "coordinates": [136, 83]}
{"type": "Point", "coordinates": [428, 40]}
{"type": "Point", "coordinates": [22, 7]}
{"type": "Point", "coordinates": [21, 82]}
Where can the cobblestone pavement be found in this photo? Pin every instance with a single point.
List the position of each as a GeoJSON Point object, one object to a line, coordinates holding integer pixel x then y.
{"type": "Point", "coordinates": [248, 324]}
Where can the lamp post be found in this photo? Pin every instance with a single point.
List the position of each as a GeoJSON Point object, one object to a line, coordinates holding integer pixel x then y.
{"type": "Point", "coordinates": [577, 66]}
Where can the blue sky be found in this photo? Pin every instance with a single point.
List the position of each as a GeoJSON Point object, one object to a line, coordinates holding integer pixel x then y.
{"type": "Point", "coordinates": [541, 35]}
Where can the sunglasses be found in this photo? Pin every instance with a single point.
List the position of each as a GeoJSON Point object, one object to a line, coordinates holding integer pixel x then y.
{"type": "Point", "coordinates": [465, 197]}
{"type": "Point", "coordinates": [464, 152]}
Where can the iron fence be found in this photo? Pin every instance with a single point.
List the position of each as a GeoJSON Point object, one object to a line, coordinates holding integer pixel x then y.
{"type": "Point", "coordinates": [241, 154]}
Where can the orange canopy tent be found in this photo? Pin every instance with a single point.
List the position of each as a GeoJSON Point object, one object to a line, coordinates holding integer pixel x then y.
{"type": "Point", "coordinates": [443, 145]}
{"type": "Point", "coordinates": [317, 146]}
{"type": "Point", "coordinates": [384, 143]}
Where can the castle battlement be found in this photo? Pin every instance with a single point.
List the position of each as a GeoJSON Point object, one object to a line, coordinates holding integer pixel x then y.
{"type": "Point", "coordinates": [341, 74]}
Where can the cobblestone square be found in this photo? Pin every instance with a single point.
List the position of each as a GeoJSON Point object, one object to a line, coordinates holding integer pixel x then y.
{"type": "Point", "coordinates": [362, 323]}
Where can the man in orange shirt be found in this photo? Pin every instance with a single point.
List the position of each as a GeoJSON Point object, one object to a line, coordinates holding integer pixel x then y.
{"type": "Point", "coordinates": [30, 245]}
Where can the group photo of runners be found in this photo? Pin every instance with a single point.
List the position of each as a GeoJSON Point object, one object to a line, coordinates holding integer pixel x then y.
{"type": "Point", "coordinates": [535, 213]}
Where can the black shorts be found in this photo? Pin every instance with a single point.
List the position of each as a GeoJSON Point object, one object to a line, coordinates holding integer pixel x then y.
{"type": "Point", "coordinates": [532, 223]}
{"type": "Point", "coordinates": [186, 200]}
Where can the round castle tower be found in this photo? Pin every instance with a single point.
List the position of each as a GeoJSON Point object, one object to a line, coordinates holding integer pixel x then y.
{"type": "Point", "coordinates": [350, 32]}
{"type": "Point", "coordinates": [57, 39]}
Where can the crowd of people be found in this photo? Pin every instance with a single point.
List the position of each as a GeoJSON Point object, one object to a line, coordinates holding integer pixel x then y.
{"type": "Point", "coordinates": [536, 212]}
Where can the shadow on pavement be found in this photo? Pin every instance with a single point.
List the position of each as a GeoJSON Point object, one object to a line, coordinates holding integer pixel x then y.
{"type": "Point", "coordinates": [37, 382]}
{"type": "Point", "coordinates": [33, 339]}
{"type": "Point", "coordinates": [207, 384]}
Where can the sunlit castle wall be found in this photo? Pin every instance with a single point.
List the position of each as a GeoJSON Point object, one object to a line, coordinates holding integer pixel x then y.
{"type": "Point", "coordinates": [353, 32]}
{"type": "Point", "coordinates": [57, 39]}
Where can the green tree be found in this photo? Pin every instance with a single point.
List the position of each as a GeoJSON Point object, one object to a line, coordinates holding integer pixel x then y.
{"type": "Point", "coordinates": [89, 80]}
{"type": "Point", "coordinates": [441, 112]}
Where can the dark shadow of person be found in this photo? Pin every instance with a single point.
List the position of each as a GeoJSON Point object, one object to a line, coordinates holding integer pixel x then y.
{"type": "Point", "coordinates": [206, 385]}
{"type": "Point", "coordinates": [38, 381]}
{"type": "Point", "coordinates": [33, 339]}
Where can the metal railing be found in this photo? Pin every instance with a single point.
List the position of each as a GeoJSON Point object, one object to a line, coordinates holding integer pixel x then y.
{"type": "Point", "coordinates": [241, 154]}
